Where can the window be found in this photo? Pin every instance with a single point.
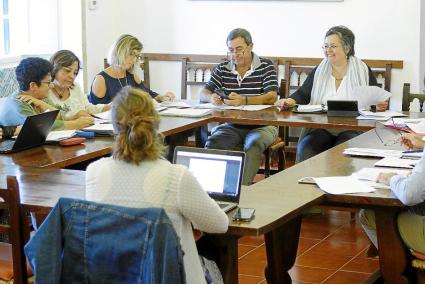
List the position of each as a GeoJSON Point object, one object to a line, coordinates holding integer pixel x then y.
{"type": "Point", "coordinates": [4, 29]}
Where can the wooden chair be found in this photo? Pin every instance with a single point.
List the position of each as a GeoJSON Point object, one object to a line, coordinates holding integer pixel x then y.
{"type": "Point", "coordinates": [418, 263]}
{"type": "Point", "coordinates": [144, 65]}
{"type": "Point", "coordinates": [13, 265]}
{"type": "Point", "coordinates": [408, 97]}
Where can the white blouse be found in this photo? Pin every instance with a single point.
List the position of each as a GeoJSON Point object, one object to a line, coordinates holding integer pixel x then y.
{"type": "Point", "coordinates": [76, 101]}
{"type": "Point", "coordinates": [160, 184]}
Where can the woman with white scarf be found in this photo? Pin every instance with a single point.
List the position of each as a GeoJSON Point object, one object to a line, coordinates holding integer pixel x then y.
{"type": "Point", "coordinates": [334, 79]}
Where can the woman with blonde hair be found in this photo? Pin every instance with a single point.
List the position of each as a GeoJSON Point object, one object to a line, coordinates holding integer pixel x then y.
{"type": "Point", "coordinates": [124, 60]}
{"type": "Point", "coordinates": [137, 176]}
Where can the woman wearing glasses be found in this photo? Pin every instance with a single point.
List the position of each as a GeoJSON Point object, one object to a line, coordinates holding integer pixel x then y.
{"type": "Point", "coordinates": [334, 79]}
{"type": "Point", "coordinates": [410, 190]}
{"type": "Point", "coordinates": [66, 94]}
{"type": "Point", "coordinates": [34, 79]}
{"type": "Point", "coordinates": [124, 60]}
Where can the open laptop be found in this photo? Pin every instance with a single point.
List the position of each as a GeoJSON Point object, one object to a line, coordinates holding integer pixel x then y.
{"type": "Point", "coordinates": [218, 171]}
{"type": "Point", "coordinates": [343, 108]}
{"type": "Point", "coordinates": [33, 133]}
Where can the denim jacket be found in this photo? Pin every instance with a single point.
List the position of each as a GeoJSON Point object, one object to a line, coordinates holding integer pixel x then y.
{"type": "Point", "coordinates": [87, 242]}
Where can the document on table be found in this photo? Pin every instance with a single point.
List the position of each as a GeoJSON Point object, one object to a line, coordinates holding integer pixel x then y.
{"type": "Point", "coordinates": [176, 104]}
{"type": "Point", "coordinates": [106, 115]}
{"type": "Point", "coordinates": [60, 135]}
{"type": "Point", "coordinates": [342, 185]}
{"type": "Point", "coordinates": [310, 108]}
{"type": "Point", "coordinates": [417, 127]}
{"type": "Point", "coordinates": [102, 129]}
{"type": "Point", "coordinates": [370, 152]}
{"type": "Point", "coordinates": [226, 107]}
{"type": "Point", "coordinates": [371, 175]}
{"type": "Point", "coordinates": [380, 115]}
{"type": "Point", "coordinates": [185, 112]}
{"type": "Point", "coordinates": [394, 162]}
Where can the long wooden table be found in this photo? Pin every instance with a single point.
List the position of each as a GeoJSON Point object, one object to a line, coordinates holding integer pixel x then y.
{"type": "Point", "coordinates": [279, 200]}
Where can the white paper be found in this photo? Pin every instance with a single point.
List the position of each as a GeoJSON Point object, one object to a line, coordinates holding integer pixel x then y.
{"type": "Point", "coordinates": [185, 112]}
{"type": "Point", "coordinates": [394, 162]}
{"type": "Point", "coordinates": [60, 135]}
{"type": "Point", "coordinates": [369, 95]}
{"type": "Point", "coordinates": [342, 185]}
{"type": "Point", "coordinates": [105, 127]}
{"type": "Point", "coordinates": [418, 127]}
{"type": "Point", "coordinates": [309, 108]}
{"type": "Point", "coordinates": [176, 104]}
{"type": "Point", "coordinates": [226, 107]}
{"type": "Point", "coordinates": [106, 115]}
{"type": "Point", "coordinates": [370, 152]}
{"type": "Point", "coordinates": [371, 174]}
{"type": "Point", "coordinates": [387, 113]}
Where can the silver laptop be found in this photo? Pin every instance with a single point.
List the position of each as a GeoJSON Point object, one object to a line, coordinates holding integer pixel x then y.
{"type": "Point", "coordinates": [218, 171]}
{"type": "Point", "coordinates": [33, 133]}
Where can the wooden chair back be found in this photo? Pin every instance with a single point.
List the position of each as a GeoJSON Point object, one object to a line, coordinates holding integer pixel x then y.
{"type": "Point", "coordinates": [195, 73]}
{"type": "Point", "coordinates": [144, 65]}
{"type": "Point", "coordinates": [408, 97]}
{"type": "Point", "coordinates": [17, 228]}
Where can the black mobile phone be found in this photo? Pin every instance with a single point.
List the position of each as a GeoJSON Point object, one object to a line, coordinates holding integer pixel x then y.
{"type": "Point", "coordinates": [244, 214]}
{"type": "Point", "coordinates": [222, 94]}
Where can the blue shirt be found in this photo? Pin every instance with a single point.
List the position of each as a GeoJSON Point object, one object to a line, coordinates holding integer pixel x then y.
{"type": "Point", "coordinates": [114, 85]}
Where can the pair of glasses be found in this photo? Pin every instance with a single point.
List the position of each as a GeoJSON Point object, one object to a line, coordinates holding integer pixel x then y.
{"type": "Point", "coordinates": [332, 47]}
{"type": "Point", "coordinates": [236, 51]}
{"type": "Point", "coordinates": [139, 57]}
{"type": "Point", "coordinates": [49, 83]}
{"type": "Point", "coordinates": [393, 141]}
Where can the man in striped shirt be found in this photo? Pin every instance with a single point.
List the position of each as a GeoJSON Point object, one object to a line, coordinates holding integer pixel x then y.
{"type": "Point", "coordinates": [243, 79]}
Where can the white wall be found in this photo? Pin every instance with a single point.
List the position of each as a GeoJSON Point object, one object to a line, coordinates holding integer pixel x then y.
{"type": "Point", "coordinates": [422, 49]}
{"type": "Point", "coordinates": [384, 29]}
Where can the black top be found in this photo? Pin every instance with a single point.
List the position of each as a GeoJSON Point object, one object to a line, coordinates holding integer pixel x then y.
{"type": "Point", "coordinates": [303, 95]}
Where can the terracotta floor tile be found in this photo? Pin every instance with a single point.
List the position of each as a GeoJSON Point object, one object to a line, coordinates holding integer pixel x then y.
{"type": "Point", "coordinates": [309, 274]}
{"type": "Point", "coordinates": [362, 264]}
{"type": "Point", "coordinates": [343, 277]}
{"type": "Point", "coordinates": [251, 240]}
{"type": "Point", "coordinates": [349, 233]}
{"type": "Point", "coordinates": [244, 249]}
{"type": "Point", "coordinates": [304, 244]}
{"type": "Point", "coordinates": [254, 262]}
{"type": "Point", "coordinates": [338, 248]}
{"type": "Point", "coordinates": [327, 261]}
{"type": "Point", "coordinates": [248, 279]}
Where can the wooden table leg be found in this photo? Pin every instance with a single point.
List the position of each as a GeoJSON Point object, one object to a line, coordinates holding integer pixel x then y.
{"type": "Point", "coordinates": [281, 247]}
{"type": "Point", "coordinates": [392, 251]}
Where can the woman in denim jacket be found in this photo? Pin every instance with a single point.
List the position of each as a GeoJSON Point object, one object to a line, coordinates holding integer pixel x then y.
{"type": "Point", "coordinates": [137, 176]}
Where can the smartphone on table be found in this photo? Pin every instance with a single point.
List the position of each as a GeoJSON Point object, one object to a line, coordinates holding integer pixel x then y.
{"type": "Point", "coordinates": [244, 214]}
{"type": "Point", "coordinates": [222, 94]}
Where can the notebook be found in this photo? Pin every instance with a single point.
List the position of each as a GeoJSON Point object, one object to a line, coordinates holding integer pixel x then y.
{"type": "Point", "coordinates": [218, 171]}
{"type": "Point", "coordinates": [33, 133]}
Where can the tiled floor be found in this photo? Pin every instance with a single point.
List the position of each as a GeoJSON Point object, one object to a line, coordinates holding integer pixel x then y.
{"type": "Point", "coordinates": [331, 250]}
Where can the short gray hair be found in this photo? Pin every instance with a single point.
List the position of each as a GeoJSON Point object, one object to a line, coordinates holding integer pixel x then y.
{"type": "Point", "coordinates": [239, 33]}
{"type": "Point", "coordinates": [346, 37]}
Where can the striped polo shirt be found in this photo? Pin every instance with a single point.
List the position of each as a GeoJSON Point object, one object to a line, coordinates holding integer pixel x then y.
{"type": "Point", "coordinates": [260, 79]}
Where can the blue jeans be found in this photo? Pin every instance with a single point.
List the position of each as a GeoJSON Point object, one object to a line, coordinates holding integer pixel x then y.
{"type": "Point", "coordinates": [320, 140]}
{"type": "Point", "coordinates": [87, 242]}
{"type": "Point", "coordinates": [228, 136]}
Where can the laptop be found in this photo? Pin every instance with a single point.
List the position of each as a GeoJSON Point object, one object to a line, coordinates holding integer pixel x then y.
{"type": "Point", "coordinates": [343, 108]}
{"type": "Point", "coordinates": [33, 133]}
{"type": "Point", "coordinates": [218, 171]}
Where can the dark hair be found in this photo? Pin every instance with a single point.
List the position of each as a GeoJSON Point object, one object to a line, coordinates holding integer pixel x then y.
{"type": "Point", "coordinates": [32, 69]}
{"type": "Point", "coordinates": [239, 33]}
{"type": "Point", "coordinates": [346, 36]}
{"type": "Point", "coordinates": [135, 122]}
{"type": "Point", "coordinates": [63, 58]}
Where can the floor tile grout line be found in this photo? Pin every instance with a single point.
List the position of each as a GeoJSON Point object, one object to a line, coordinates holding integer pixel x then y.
{"type": "Point", "coordinates": [253, 248]}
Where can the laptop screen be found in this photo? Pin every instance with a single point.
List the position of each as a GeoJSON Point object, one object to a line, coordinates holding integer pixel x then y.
{"type": "Point", "coordinates": [219, 172]}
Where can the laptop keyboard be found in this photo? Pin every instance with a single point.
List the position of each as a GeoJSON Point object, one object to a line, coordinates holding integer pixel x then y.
{"type": "Point", "coordinates": [6, 145]}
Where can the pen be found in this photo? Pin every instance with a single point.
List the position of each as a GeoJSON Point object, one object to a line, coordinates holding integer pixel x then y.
{"type": "Point", "coordinates": [95, 116]}
{"type": "Point", "coordinates": [412, 151]}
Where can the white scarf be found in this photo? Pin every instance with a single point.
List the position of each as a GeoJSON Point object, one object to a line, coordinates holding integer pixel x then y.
{"type": "Point", "coordinates": [324, 84]}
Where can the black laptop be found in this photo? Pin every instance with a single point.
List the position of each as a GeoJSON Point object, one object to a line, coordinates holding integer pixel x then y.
{"type": "Point", "coordinates": [218, 171]}
{"type": "Point", "coordinates": [343, 108]}
{"type": "Point", "coordinates": [33, 133]}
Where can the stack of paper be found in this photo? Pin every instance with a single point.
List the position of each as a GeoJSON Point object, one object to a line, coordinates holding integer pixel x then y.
{"type": "Point", "coordinates": [394, 162]}
{"type": "Point", "coordinates": [185, 112]}
{"type": "Point", "coordinates": [369, 152]}
{"type": "Point", "coordinates": [226, 107]}
{"type": "Point", "coordinates": [342, 185]}
{"type": "Point", "coordinates": [60, 135]}
{"type": "Point", "coordinates": [101, 129]}
{"type": "Point", "coordinates": [379, 115]}
{"type": "Point", "coordinates": [310, 108]}
{"type": "Point", "coordinates": [370, 175]}
{"type": "Point", "coordinates": [175, 104]}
